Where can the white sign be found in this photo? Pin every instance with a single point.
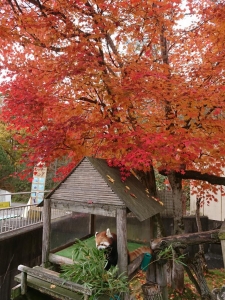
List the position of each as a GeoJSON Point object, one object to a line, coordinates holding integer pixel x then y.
{"type": "Point", "coordinates": [38, 185]}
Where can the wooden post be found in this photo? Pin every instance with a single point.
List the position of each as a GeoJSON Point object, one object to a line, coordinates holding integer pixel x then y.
{"type": "Point", "coordinates": [151, 271]}
{"type": "Point", "coordinates": [121, 230]}
{"type": "Point", "coordinates": [91, 230]}
{"type": "Point", "coordinates": [46, 232]}
{"type": "Point", "coordinates": [162, 280]}
{"type": "Point", "coordinates": [23, 283]}
{"type": "Point", "coordinates": [222, 239]}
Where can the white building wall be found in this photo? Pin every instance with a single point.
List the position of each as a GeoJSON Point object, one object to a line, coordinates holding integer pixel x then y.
{"type": "Point", "coordinates": [214, 210]}
{"type": "Point", "coordinates": [5, 198]}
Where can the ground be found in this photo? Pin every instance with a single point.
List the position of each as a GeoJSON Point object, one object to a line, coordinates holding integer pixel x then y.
{"type": "Point", "coordinates": [215, 279]}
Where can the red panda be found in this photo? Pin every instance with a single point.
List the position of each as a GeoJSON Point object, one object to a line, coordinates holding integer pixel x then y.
{"type": "Point", "coordinates": [108, 241]}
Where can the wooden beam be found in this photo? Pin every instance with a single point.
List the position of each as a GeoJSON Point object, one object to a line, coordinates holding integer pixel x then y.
{"type": "Point", "coordinates": [121, 230]}
{"type": "Point", "coordinates": [87, 208]}
{"type": "Point", "coordinates": [15, 292]}
{"type": "Point", "coordinates": [47, 271]}
{"type": "Point", "coordinates": [46, 231]}
{"type": "Point", "coordinates": [60, 260]}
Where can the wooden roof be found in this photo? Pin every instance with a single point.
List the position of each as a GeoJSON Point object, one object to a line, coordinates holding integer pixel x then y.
{"type": "Point", "coordinates": [98, 189]}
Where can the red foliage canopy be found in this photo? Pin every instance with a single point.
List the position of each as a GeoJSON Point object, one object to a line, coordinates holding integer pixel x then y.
{"type": "Point", "coordinates": [116, 79]}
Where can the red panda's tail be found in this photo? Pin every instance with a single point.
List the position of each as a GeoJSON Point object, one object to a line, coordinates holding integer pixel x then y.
{"type": "Point", "coordinates": [134, 254]}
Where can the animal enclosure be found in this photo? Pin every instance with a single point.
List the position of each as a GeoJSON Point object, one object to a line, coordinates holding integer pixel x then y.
{"type": "Point", "coordinates": [94, 188]}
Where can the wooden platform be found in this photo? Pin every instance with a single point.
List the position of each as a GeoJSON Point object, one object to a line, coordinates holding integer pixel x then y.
{"type": "Point", "coordinates": [48, 282]}
{"type": "Point", "coordinates": [68, 251]}
{"type": "Point", "coordinates": [64, 256]}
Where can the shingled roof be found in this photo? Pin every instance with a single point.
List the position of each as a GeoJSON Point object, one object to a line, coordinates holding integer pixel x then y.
{"type": "Point", "coordinates": [93, 181]}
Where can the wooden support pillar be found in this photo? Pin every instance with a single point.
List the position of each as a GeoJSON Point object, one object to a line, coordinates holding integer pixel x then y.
{"type": "Point", "coordinates": [91, 230]}
{"type": "Point", "coordinates": [162, 280]}
{"type": "Point", "coordinates": [222, 239]}
{"type": "Point", "coordinates": [46, 232]}
{"type": "Point", "coordinates": [121, 230]}
{"type": "Point", "coordinates": [23, 283]}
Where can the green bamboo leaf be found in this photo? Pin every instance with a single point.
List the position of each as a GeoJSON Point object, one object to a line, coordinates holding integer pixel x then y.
{"type": "Point", "coordinates": [89, 271]}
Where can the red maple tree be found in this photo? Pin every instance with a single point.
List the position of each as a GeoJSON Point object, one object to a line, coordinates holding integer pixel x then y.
{"type": "Point", "coordinates": [117, 79]}
{"type": "Point", "coordinates": [121, 80]}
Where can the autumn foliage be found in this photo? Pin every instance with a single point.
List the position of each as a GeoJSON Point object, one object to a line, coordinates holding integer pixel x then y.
{"type": "Point", "coordinates": [116, 79]}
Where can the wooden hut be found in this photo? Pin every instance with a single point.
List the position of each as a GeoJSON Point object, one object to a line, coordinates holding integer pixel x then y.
{"type": "Point", "coordinates": [96, 188]}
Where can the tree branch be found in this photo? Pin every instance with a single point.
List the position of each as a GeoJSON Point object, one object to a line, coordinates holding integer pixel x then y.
{"type": "Point", "coordinates": [196, 175]}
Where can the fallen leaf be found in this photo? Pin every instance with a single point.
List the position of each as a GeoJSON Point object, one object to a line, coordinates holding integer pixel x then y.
{"type": "Point", "coordinates": [110, 179]}
{"type": "Point", "coordinates": [52, 286]}
{"type": "Point", "coordinates": [133, 195]}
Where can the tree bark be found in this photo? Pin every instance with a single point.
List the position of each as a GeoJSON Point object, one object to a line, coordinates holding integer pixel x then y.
{"type": "Point", "coordinates": [148, 180]}
{"type": "Point", "coordinates": [155, 272]}
{"type": "Point", "coordinates": [204, 237]}
{"type": "Point", "coordinates": [190, 275]}
{"type": "Point", "coordinates": [178, 228]}
{"type": "Point", "coordinates": [201, 246]}
{"type": "Point", "coordinates": [196, 175]}
{"type": "Point", "coordinates": [195, 266]}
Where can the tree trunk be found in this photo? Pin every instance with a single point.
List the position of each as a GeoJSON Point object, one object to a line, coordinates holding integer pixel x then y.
{"type": "Point", "coordinates": [148, 180]}
{"type": "Point", "coordinates": [191, 276]}
{"type": "Point", "coordinates": [177, 269]}
{"type": "Point", "coordinates": [195, 266]}
{"type": "Point", "coordinates": [156, 272]}
{"type": "Point", "coordinates": [151, 291]}
{"type": "Point", "coordinates": [201, 247]}
{"type": "Point", "coordinates": [177, 275]}
{"type": "Point", "coordinates": [176, 185]}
